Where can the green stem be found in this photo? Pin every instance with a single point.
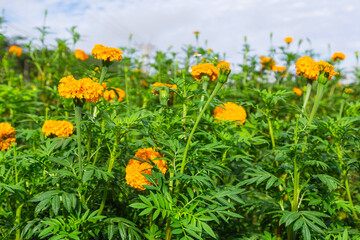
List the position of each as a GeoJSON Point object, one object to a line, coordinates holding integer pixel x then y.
{"type": "Point", "coordinates": [341, 108]}
{"type": "Point", "coordinates": [18, 219]}
{"type": "Point", "coordinates": [271, 135]}
{"type": "Point", "coordinates": [104, 70]}
{"type": "Point", "coordinates": [78, 111]}
{"type": "Point", "coordinates": [204, 87]}
{"type": "Point", "coordinates": [308, 91]}
{"type": "Point", "coordinates": [349, 195]}
{"type": "Point", "coordinates": [319, 93]}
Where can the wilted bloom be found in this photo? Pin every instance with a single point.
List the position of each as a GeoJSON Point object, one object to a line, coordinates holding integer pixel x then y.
{"type": "Point", "coordinates": [158, 84]}
{"type": "Point", "coordinates": [57, 128]}
{"type": "Point", "coordinates": [327, 69]}
{"type": "Point", "coordinates": [110, 95]}
{"type": "Point", "coordinates": [15, 49]}
{"type": "Point", "coordinates": [298, 91]}
{"type": "Point", "coordinates": [84, 88]}
{"type": "Point", "coordinates": [230, 112]}
{"type": "Point", "coordinates": [279, 68]}
{"type": "Point", "coordinates": [288, 39]}
{"type": "Point", "coordinates": [267, 62]}
{"type": "Point", "coordinates": [205, 69]}
{"type": "Point", "coordinates": [7, 136]}
{"type": "Point", "coordinates": [307, 67]}
{"type": "Point", "coordinates": [81, 55]}
{"type": "Point", "coordinates": [136, 168]}
{"type": "Point", "coordinates": [106, 53]}
{"type": "Point", "coordinates": [144, 84]}
{"type": "Point", "coordinates": [338, 56]}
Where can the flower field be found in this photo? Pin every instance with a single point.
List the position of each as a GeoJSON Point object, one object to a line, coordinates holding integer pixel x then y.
{"type": "Point", "coordinates": [110, 143]}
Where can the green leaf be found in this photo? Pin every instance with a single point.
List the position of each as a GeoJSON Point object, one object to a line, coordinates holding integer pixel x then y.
{"type": "Point", "coordinates": [208, 229]}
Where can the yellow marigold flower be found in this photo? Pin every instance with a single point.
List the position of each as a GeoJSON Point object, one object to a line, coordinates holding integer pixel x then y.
{"type": "Point", "coordinates": [205, 69]}
{"type": "Point", "coordinates": [307, 67]}
{"type": "Point", "coordinates": [81, 55]}
{"type": "Point", "coordinates": [338, 56]}
{"type": "Point", "coordinates": [279, 68]}
{"type": "Point", "coordinates": [106, 53]}
{"type": "Point", "coordinates": [136, 168]}
{"type": "Point", "coordinates": [157, 84]}
{"type": "Point", "coordinates": [196, 32]}
{"type": "Point", "coordinates": [110, 95]}
{"type": "Point", "coordinates": [57, 128]}
{"type": "Point", "coordinates": [348, 90]}
{"type": "Point", "coordinates": [223, 63]}
{"type": "Point", "coordinates": [84, 88]}
{"type": "Point", "coordinates": [230, 112]}
{"type": "Point", "coordinates": [327, 68]}
{"type": "Point", "coordinates": [288, 39]}
{"type": "Point", "coordinates": [267, 62]}
{"type": "Point", "coordinates": [15, 49]}
{"type": "Point", "coordinates": [298, 91]}
{"type": "Point", "coordinates": [7, 136]}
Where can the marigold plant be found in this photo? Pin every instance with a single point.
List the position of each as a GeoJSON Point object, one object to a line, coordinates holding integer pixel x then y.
{"type": "Point", "coordinates": [81, 55]}
{"type": "Point", "coordinates": [106, 53]}
{"type": "Point", "coordinates": [57, 128]}
{"type": "Point", "coordinates": [136, 168]}
{"type": "Point", "coordinates": [223, 63]}
{"type": "Point", "coordinates": [205, 69]}
{"type": "Point", "coordinates": [110, 95]}
{"type": "Point", "coordinates": [158, 84]}
{"type": "Point", "coordinates": [298, 91]}
{"type": "Point", "coordinates": [230, 112]}
{"type": "Point", "coordinates": [338, 56]}
{"type": "Point", "coordinates": [307, 67]}
{"type": "Point", "coordinates": [15, 49]}
{"type": "Point", "coordinates": [267, 62]}
{"type": "Point", "coordinates": [7, 136]}
{"type": "Point", "coordinates": [327, 68]}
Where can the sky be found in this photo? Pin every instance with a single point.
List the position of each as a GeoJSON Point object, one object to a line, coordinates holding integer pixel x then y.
{"type": "Point", "coordinates": [223, 23]}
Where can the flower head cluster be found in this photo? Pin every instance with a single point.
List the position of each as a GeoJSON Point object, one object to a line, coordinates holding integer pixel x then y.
{"type": "Point", "coordinates": [279, 68]}
{"type": "Point", "coordinates": [136, 168]}
{"type": "Point", "coordinates": [57, 128]}
{"type": "Point", "coordinates": [110, 95]}
{"type": "Point", "coordinates": [223, 63]}
{"type": "Point", "coordinates": [307, 67]}
{"type": "Point", "coordinates": [205, 69]}
{"type": "Point", "coordinates": [338, 56]}
{"type": "Point", "coordinates": [230, 112]}
{"type": "Point", "coordinates": [15, 49]}
{"type": "Point", "coordinates": [158, 84]}
{"type": "Point", "coordinates": [288, 39]}
{"type": "Point", "coordinates": [106, 53]}
{"type": "Point", "coordinates": [267, 62]}
{"type": "Point", "coordinates": [327, 68]}
{"type": "Point", "coordinates": [84, 88]}
{"type": "Point", "coordinates": [298, 91]}
{"type": "Point", "coordinates": [7, 136]}
{"type": "Point", "coordinates": [81, 55]}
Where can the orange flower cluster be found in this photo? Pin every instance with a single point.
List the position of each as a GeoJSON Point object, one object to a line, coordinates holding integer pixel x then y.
{"type": "Point", "coordinates": [223, 63]}
{"type": "Point", "coordinates": [81, 55]}
{"type": "Point", "coordinates": [327, 68]}
{"type": "Point", "coordinates": [7, 136]}
{"type": "Point", "coordinates": [106, 53]}
{"type": "Point", "coordinates": [157, 84]}
{"type": "Point", "coordinates": [307, 67]}
{"type": "Point", "coordinates": [338, 56]}
{"type": "Point", "coordinates": [230, 112]}
{"type": "Point", "coordinates": [136, 168]}
{"type": "Point", "coordinates": [84, 88]}
{"type": "Point", "coordinates": [267, 62]}
{"type": "Point", "coordinates": [205, 69]}
{"type": "Point", "coordinates": [298, 91]}
{"type": "Point", "coordinates": [57, 128]}
{"type": "Point", "coordinates": [279, 68]}
{"type": "Point", "coordinates": [288, 39]}
{"type": "Point", "coordinates": [15, 49]}
{"type": "Point", "coordinates": [110, 95]}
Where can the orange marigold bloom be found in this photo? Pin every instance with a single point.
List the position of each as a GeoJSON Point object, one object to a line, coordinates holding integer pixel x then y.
{"type": "Point", "coordinates": [136, 168]}
{"type": "Point", "coordinates": [338, 56]}
{"type": "Point", "coordinates": [223, 63]}
{"type": "Point", "coordinates": [110, 95]}
{"type": "Point", "coordinates": [106, 53]}
{"type": "Point", "coordinates": [81, 55]}
{"type": "Point", "coordinates": [205, 69]}
{"type": "Point", "coordinates": [157, 84]}
{"type": "Point", "coordinates": [327, 68]}
{"type": "Point", "coordinates": [267, 62]}
{"type": "Point", "coordinates": [84, 88]}
{"type": "Point", "coordinates": [15, 49]}
{"type": "Point", "coordinates": [57, 128]}
{"type": "Point", "coordinates": [196, 32]}
{"type": "Point", "coordinates": [230, 112]}
{"type": "Point", "coordinates": [279, 68]}
{"type": "Point", "coordinates": [7, 136]}
{"type": "Point", "coordinates": [307, 67]}
{"type": "Point", "coordinates": [288, 39]}
{"type": "Point", "coordinates": [298, 91]}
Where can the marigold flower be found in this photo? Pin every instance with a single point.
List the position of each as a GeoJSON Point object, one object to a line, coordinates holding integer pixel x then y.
{"type": "Point", "coordinates": [15, 49]}
{"type": "Point", "coordinates": [307, 67]}
{"type": "Point", "coordinates": [288, 39]}
{"type": "Point", "coordinates": [144, 84]}
{"type": "Point", "coordinates": [110, 95]}
{"type": "Point", "coordinates": [205, 69]}
{"type": "Point", "coordinates": [197, 55]}
{"type": "Point", "coordinates": [327, 68]}
{"type": "Point", "coordinates": [7, 136]}
{"type": "Point", "coordinates": [279, 68]}
{"type": "Point", "coordinates": [338, 56]}
{"type": "Point", "coordinates": [267, 62]}
{"type": "Point", "coordinates": [196, 32]}
{"type": "Point", "coordinates": [81, 55]}
{"type": "Point", "coordinates": [348, 90]}
{"type": "Point", "coordinates": [223, 63]}
{"type": "Point", "coordinates": [157, 84]}
{"type": "Point", "coordinates": [106, 53]}
{"type": "Point", "coordinates": [57, 128]}
{"type": "Point", "coordinates": [136, 168]}
{"type": "Point", "coordinates": [298, 91]}
{"type": "Point", "coordinates": [230, 112]}
{"type": "Point", "coordinates": [84, 88]}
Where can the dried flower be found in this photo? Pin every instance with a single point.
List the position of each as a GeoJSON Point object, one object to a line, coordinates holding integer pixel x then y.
{"type": "Point", "coordinates": [106, 53]}
{"type": "Point", "coordinates": [7, 136]}
{"type": "Point", "coordinates": [338, 56]}
{"type": "Point", "coordinates": [307, 67]}
{"type": "Point", "coordinates": [298, 91]}
{"type": "Point", "coordinates": [57, 128]}
{"type": "Point", "coordinates": [288, 39]}
{"type": "Point", "coordinates": [81, 55]}
{"type": "Point", "coordinates": [230, 112]}
{"type": "Point", "coordinates": [84, 88]}
{"type": "Point", "coordinates": [144, 84]}
{"type": "Point", "coordinates": [136, 168]}
{"type": "Point", "coordinates": [15, 49]}
{"type": "Point", "coordinates": [205, 69]}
